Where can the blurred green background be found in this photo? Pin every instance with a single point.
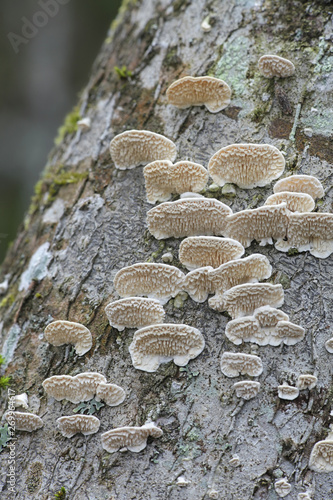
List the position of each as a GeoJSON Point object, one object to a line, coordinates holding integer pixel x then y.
{"type": "Point", "coordinates": [39, 85]}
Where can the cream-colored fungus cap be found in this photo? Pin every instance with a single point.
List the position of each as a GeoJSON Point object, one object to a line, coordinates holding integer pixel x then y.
{"type": "Point", "coordinates": [300, 184]}
{"type": "Point", "coordinates": [158, 344]}
{"type": "Point", "coordinates": [67, 332]}
{"type": "Point", "coordinates": [163, 178]}
{"type": "Point", "coordinates": [238, 363]}
{"type": "Point", "coordinates": [203, 251]}
{"type": "Point", "coordinates": [189, 91]}
{"type": "Point", "coordinates": [271, 65]}
{"type": "Point", "coordinates": [157, 281]}
{"type": "Point", "coordinates": [131, 438]}
{"type": "Point", "coordinates": [188, 217]}
{"type": "Point", "coordinates": [134, 312]}
{"type": "Point", "coordinates": [73, 424]}
{"type": "Point", "coordinates": [139, 147]}
{"type": "Point", "coordinates": [246, 165]}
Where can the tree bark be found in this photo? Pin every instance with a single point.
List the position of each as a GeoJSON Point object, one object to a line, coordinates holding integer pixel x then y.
{"type": "Point", "coordinates": [87, 220]}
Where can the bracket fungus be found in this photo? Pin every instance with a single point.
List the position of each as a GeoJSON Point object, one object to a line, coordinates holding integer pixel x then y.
{"type": "Point", "coordinates": [238, 363]}
{"type": "Point", "coordinates": [270, 66]}
{"type": "Point", "coordinates": [246, 165]}
{"type": "Point", "coordinates": [24, 421]}
{"type": "Point", "coordinates": [288, 392]}
{"type": "Point", "coordinates": [309, 231]}
{"type": "Point", "coordinates": [71, 425]}
{"type": "Point", "coordinates": [282, 487]}
{"type": "Point", "coordinates": [264, 330]}
{"type": "Point", "coordinates": [134, 312]}
{"type": "Point", "coordinates": [329, 345]}
{"type": "Point", "coordinates": [202, 251]}
{"type": "Point", "coordinates": [252, 269]}
{"type": "Point", "coordinates": [139, 147]}
{"type": "Point", "coordinates": [132, 438]}
{"type": "Point", "coordinates": [188, 217]}
{"type": "Point", "coordinates": [261, 224]}
{"type": "Point", "coordinates": [111, 394]}
{"type": "Point", "coordinates": [76, 389]}
{"type": "Point", "coordinates": [321, 458]}
{"type": "Point", "coordinates": [295, 202]}
{"type": "Point", "coordinates": [300, 184]}
{"type": "Point", "coordinates": [21, 400]}
{"type": "Point", "coordinates": [189, 91]}
{"type": "Point", "coordinates": [246, 389]}
{"type": "Point", "coordinates": [306, 381]}
{"type": "Point", "coordinates": [163, 178]}
{"type": "Point", "coordinates": [62, 332]}
{"type": "Point", "coordinates": [158, 344]}
{"type": "Point", "coordinates": [243, 300]}
{"type": "Point", "coordinates": [198, 284]}
{"type": "Point", "coordinates": [157, 281]}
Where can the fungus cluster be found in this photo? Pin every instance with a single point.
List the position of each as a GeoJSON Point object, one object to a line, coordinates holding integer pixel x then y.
{"type": "Point", "coordinates": [215, 265]}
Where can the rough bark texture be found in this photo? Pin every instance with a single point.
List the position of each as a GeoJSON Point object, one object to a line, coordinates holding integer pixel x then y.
{"type": "Point", "coordinates": [93, 218]}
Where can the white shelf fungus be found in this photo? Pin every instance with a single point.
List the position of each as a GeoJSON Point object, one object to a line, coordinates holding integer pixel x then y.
{"type": "Point", "coordinates": [163, 178]}
{"type": "Point", "coordinates": [158, 344]}
{"type": "Point", "coordinates": [24, 421]}
{"type": "Point", "coordinates": [271, 66]}
{"type": "Point", "coordinates": [198, 91]}
{"type": "Point", "coordinates": [252, 269]}
{"type": "Point", "coordinates": [329, 345]}
{"type": "Point", "coordinates": [67, 332]}
{"type": "Point", "coordinates": [289, 392]}
{"type": "Point", "coordinates": [157, 281]}
{"type": "Point", "coordinates": [132, 438]}
{"type": "Point", "coordinates": [282, 487]}
{"type": "Point", "coordinates": [198, 285]}
{"type": "Point", "coordinates": [267, 326]}
{"type": "Point", "coordinates": [309, 231]}
{"type": "Point", "coordinates": [247, 389]}
{"type": "Point", "coordinates": [321, 458]}
{"type": "Point", "coordinates": [111, 394]}
{"type": "Point", "coordinates": [188, 217]}
{"type": "Point", "coordinates": [300, 184]}
{"type": "Point", "coordinates": [306, 381]}
{"type": "Point", "coordinates": [76, 389]}
{"type": "Point", "coordinates": [21, 400]}
{"type": "Point", "coordinates": [304, 496]}
{"type": "Point", "coordinates": [202, 251]}
{"type": "Point", "coordinates": [295, 202]}
{"type": "Point", "coordinates": [134, 312]}
{"type": "Point", "coordinates": [71, 425]}
{"type": "Point", "coordinates": [261, 224]}
{"type": "Point", "coordinates": [235, 461]}
{"type": "Point", "coordinates": [243, 300]}
{"type": "Point", "coordinates": [234, 364]}
{"type": "Point", "coordinates": [84, 124]}
{"type": "Point", "coordinates": [246, 165]}
{"type": "Point", "coordinates": [139, 147]}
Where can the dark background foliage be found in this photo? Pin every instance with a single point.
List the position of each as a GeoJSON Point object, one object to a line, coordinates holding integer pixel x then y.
{"type": "Point", "coordinates": [38, 86]}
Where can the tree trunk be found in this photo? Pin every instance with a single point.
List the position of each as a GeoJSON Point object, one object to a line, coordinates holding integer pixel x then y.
{"type": "Point", "coordinates": [87, 220]}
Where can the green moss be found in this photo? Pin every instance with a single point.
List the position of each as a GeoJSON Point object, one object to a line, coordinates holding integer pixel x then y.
{"type": "Point", "coordinates": [61, 495]}
{"type": "Point", "coordinates": [171, 59]}
{"type": "Point", "coordinates": [7, 301]}
{"type": "Point", "coordinates": [38, 296]}
{"type": "Point", "coordinates": [69, 126]}
{"type": "Point", "coordinates": [292, 251]}
{"type": "Point", "coordinates": [2, 360]}
{"type": "Point", "coordinates": [285, 281]}
{"type": "Point", "coordinates": [258, 113]}
{"type": "Point", "coordinates": [123, 73]}
{"type": "Point", "coordinates": [4, 382]}
{"type": "Point", "coordinates": [4, 437]}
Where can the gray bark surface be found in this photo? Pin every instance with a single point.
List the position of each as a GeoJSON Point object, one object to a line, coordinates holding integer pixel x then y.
{"type": "Point", "coordinates": [94, 219]}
